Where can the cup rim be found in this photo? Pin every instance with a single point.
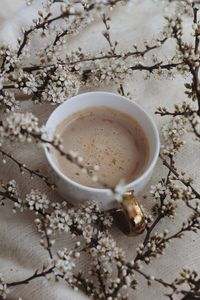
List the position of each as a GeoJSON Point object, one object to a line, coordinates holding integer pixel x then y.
{"type": "Point", "coordinates": [128, 186]}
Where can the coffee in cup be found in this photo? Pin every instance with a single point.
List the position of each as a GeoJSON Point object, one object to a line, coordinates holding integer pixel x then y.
{"type": "Point", "coordinates": [105, 137]}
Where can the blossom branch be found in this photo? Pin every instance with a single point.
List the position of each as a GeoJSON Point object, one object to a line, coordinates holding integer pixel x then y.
{"type": "Point", "coordinates": [49, 244]}
{"type": "Point", "coordinates": [158, 243]}
{"type": "Point", "coordinates": [41, 25]}
{"type": "Point", "coordinates": [23, 168]}
{"type": "Point", "coordinates": [179, 177]}
{"type": "Point", "coordinates": [158, 66]}
{"type": "Point", "coordinates": [136, 53]}
{"type": "Point", "coordinates": [32, 277]}
{"type": "Point", "coordinates": [196, 71]}
{"type": "Point", "coordinates": [186, 50]}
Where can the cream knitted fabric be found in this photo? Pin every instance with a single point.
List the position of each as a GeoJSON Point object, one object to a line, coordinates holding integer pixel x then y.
{"type": "Point", "coordinates": [20, 252]}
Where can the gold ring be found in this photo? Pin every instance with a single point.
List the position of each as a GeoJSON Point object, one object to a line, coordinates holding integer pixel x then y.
{"type": "Point", "coordinates": [130, 217]}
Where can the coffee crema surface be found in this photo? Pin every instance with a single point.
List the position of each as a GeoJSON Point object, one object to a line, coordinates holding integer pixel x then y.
{"type": "Point", "coordinates": [105, 137]}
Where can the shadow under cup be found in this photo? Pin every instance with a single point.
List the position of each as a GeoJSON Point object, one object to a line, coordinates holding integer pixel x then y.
{"type": "Point", "coordinates": [76, 193]}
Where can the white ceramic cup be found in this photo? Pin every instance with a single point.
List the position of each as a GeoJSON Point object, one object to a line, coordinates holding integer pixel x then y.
{"type": "Point", "coordinates": [76, 193]}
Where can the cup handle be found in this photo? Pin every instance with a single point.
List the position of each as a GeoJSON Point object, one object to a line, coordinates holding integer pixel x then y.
{"type": "Point", "coordinates": [130, 218]}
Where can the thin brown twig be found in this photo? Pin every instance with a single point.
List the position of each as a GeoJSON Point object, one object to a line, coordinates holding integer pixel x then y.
{"type": "Point", "coordinates": [41, 25]}
{"type": "Point", "coordinates": [196, 71]}
{"type": "Point", "coordinates": [157, 66]}
{"type": "Point", "coordinates": [107, 33]}
{"type": "Point", "coordinates": [32, 277]}
{"type": "Point", "coordinates": [22, 167]}
{"type": "Point", "coordinates": [48, 247]}
{"type": "Point", "coordinates": [15, 199]}
{"type": "Point", "coordinates": [126, 55]}
{"type": "Point", "coordinates": [193, 70]}
{"type": "Point", "coordinates": [174, 172]}
{"type": "Point", "coordinates": [176, 113]}
{"type": "Point", "coordinates": [48, 21]}
{"type": "Point", "coordinates": [176, 235]}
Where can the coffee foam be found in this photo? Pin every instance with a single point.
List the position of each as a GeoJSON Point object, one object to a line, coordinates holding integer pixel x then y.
{"type": "Point", "coordinates": [104, 137]}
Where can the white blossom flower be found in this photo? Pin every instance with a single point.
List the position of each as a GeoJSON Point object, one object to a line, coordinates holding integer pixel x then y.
{"type": "Point", "coordinates": [11, 187]}
{"type": "Point", "coordinates": [27, 83]}
{"type": "Point", "coordinates": [20, 126]}
{"type": "Point", "coordinates": [61, 86]}
{"type": "Point", "coordinates": [104, 252]}
{"type": "Point", "coordinates": [37, 201]}
{"type": "Point", "coordinates": [59, 220]}
{"type": "Point", "coordinates": [3, 288]}
{"type": "Point", "coordinates": [158, 190]}
{"type": "Point", "coordinates": [64, 263]}
{"type": "Point", "coordinates": [9, 101]}
{"type": "Point", "coordinates": [88, 232]}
